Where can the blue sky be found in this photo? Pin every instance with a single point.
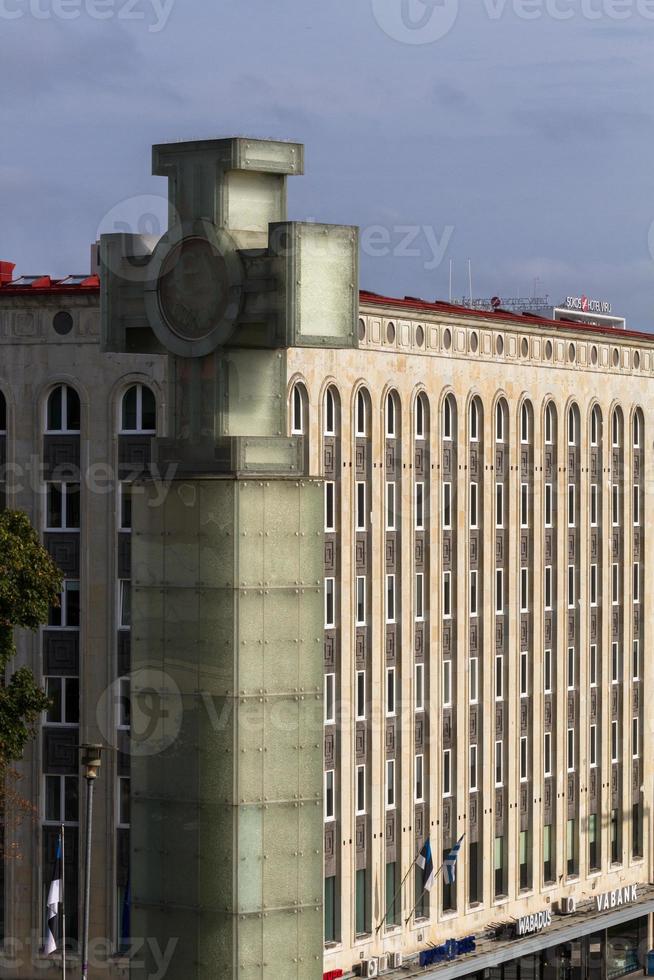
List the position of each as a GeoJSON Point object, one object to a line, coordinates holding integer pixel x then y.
{"type": "Point", "coordinates": [516, 133]}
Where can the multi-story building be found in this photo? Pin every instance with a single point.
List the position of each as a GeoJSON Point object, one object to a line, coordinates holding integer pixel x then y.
{"type": "Point", "coordinates": [486, 631]}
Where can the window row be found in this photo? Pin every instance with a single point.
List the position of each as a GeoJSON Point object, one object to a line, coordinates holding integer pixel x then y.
{"type": "Point", "coordinates": [137, 411]}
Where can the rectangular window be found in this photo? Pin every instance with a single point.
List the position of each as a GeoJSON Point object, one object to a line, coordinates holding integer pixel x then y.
{"type": "Point", "coordinates": [330, 699]}
{"type": "Point", "coordinates": [361, 600]}
{"type": "Point", "coordinates": [361, 695]}
{"type": "Point", "coordinates": [330, 604]}
{"type": "Point", "coordinates": [571, 668]}
{"type": "Point", "coordinates": [499, 505]}
{"type": "Point", "coordinates": [548, 587]}
{"type": "Point", "coordinates": [571, 505]}
{"type": "Point", "coordinates": [499, 677]}
{"type": "Point", "coordinates": [123, 801]}
{"type": "Point", "coordinates": [447, 772]}
{"type": "Point", "coordinates": [419, 777]}
{"type": "Point", "coordinates": [362, 903]}
{"type": "Point", "coordinates": [524, 505]}
{"type": "Point", "coordinates": [63, 693]}
{"type": "Point", "coordinates": [447, 683]}
{"type": "Point", "coordinates": [390, 506]}
{"type": "Point", "coordinates": [61, 799]}
{"type": "Point", "coordinates": [447, 595]}
{"type": "Point", "coordinates": [636, 581]}
{"type": "Point", "coordinates": [499, 590]}
{"type": "Point", "coordinates": [523, 759]}
{"type": "Point", "coordinates": [615, 663]}
{"type": "Point", "coordinates": [547, 754]}
{"type": "Point", "coordinates": [66, 614]}
{"type": "Point", "coordinates": [420, 596]}
{"type": "Point", "coordinates": [360, 790]}
{"type": "Point", "coordinates": [594, 510]}
{"type": "Point", "coordinates": [473, 592]}
{"type": "Point", "coordinates": [614, 741]}
{"type": "Point", "coordinates": [331, 916]}
{"type": "Point", "coordinates": [571, 750]}
{"type": "Point", "coordinates": [390, 691]}
{"type": "Point", "coordinates": [125, 507]}
{"type": "Point", "coordinates": [499, 764]}
{"type": "Point", "coordinates": [474, 505]}
{"type": "Point", "coordinates": [124, 705]}
{"type": "Point", "coordinates": [330, 777]}
{"type": "Point", "coordinates": [420, 506]}
{"type": "Point", "coordinates": [420, 687]}
{"type": "Point", "coordinates": [593, 746]}
{"type": "Point", "coordinates": [524, 590]}
{"type": "Point", "coordinates": [547, 853]}
{"type": "Point", "coordinates": [390, 598]}
{"type": "Point", "coordinates": [474, 680]}
{"type": "Point", "coordinates": [615, 584]}
{"type": "Point", "coordinates": [593, 665]}
{"type": "Point", "coordinates": [549, 510]}
{"type": "Point", "coordinates": [635, 660]}
{"type": "Point", "coordinates": [547, 671]}
{"type": "Point", "coordinates": [473, 768]}
{"type": "Point", "coordinates": [524, 674]}
{"type": "Point", "coordinates": [636, 506]}
{"type": "Point", "coordinates": [447, 506]}
{"type": "Point", "coordinates": [615, 505]}
{"type": "Point", "coordinates": [330, 489]}
{"type": "Point", "coordinates": [593, 585]}
{"type": "Point", "coordinates": [390, 784]}
{"type": "Point", "coordinates": [362, 522]}
{"type": "Point", "coordinates": [124, 604]}
{"type": "Point", "coordinates": [593, 850]}
{"type": "Point", "coordinates": [63, 507]}
{"type": "Point", "coordinates": [571, 586]}
{"type": "Point", "coordinates": [635, 744]}
{"type": "Point", "coordinates": [571, 848]}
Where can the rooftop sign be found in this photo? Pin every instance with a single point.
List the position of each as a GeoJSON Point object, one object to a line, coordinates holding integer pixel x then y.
{"type": "Point", "coordinates": [582, 304]}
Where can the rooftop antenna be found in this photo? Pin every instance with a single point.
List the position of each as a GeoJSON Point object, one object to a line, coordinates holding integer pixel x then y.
{"type": "Point", "coordinates": [450, 280]}
{"type": "Point", "coordinates": [470, 279]}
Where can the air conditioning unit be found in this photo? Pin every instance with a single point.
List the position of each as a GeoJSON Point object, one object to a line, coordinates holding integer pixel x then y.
{"type": "Point", "coordinates": [369, 968]}
{"type": "Point", "coordinates": [383, 963]}
{"type": "Point", "coordinates": [395, 961]}
{"type": "Point", "coordinates": [568, 906]}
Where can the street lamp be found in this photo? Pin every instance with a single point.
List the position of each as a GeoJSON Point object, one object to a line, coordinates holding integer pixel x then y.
{"type": "Point", "coordinates": [90, 765]}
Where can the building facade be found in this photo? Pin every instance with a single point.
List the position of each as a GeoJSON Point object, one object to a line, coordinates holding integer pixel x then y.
{"type": "Point", "coordinates": [485, 660]}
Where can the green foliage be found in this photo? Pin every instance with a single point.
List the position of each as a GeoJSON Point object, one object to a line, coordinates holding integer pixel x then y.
{"type": "Point", "coordinates": [30, 583]}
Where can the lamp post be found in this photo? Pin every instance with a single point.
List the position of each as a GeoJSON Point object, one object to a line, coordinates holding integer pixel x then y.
{"type": "Point", "coordinates": [90, 765]}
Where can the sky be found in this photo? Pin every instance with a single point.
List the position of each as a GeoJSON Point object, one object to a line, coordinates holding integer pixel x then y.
{"type": "Point", "coordinates": [517, 134]}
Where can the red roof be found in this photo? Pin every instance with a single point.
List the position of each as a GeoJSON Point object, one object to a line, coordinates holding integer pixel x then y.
{"type": "Point", "coordinates": [40, 285]}
{"type": "Point", "coordinates": [415, 305]}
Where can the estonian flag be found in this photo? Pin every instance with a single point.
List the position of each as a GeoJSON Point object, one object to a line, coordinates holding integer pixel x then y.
{"type": "Point", "coordinates": [426, 863]}
{"type": "Point", "coordinates": [52, 907]}
{"type": "Point", "coordinates": [449, 865]}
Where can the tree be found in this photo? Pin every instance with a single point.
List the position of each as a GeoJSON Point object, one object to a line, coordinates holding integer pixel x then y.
{"type": "Point", "coordinates": [30, 583]}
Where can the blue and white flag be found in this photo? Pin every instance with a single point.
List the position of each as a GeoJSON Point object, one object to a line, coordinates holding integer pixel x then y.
{"type": "Point", "coordinates": [426, 862]}
{"type": "Point", "coordinates": [53, 905]}
{"type": "Point", "coordinates": [449, 865]}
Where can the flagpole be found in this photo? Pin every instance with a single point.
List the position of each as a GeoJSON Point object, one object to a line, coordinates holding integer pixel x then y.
{"type": "Point", "coordinates": [63, 904]}
{"type": "Point", "coordinates": [422, 893]}
{"type": "Point", "coordinates": [398, 891]}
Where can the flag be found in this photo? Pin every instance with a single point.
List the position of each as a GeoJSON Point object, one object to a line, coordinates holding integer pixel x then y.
{"type": "Point", "coordinates": [52, 906]}
{"type": "Point", "coordinates": [426, 863]}
{"type": "Point", "coordinates": [449, 865]}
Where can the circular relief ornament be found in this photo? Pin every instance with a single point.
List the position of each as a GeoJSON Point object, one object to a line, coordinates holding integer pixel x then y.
{"type": "Point", "coordinates": [194, 294]}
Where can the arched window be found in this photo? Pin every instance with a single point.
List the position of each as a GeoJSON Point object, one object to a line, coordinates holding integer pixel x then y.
{"type": "Point", "coordinates": [595, 426]}
{"type": "Point", "coordinates": [361, 409]}
{"type": "Point", "coordinates": [63, 410]}
{"type": "Point", "coordinates": [500, 422]}
{"type": "Point", "coordinates": [391, 415]}
{"type": "Point", "coordinates": [615, 427]}
{"type": "Point", "coordinates": [549, 423]}
{"type": "Point", "coordinates": [524, 423]}
{"type": "Point", "coordinates": [474, 421]}
{"type": "Point", "coordinates": [420, 417]}
{"type": "Point", "coordinates": [3, 414]}
{"type": "Point", "coordinates": [330, 408]}
{"type": "Point", "coordinates": [637, 430]}
{"type": "Point", "coordinates": [572, 426]}
{"type": "Point", "coordinates": [447, 418]}
{"type": "Point", "coordinates": [138, 410]}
